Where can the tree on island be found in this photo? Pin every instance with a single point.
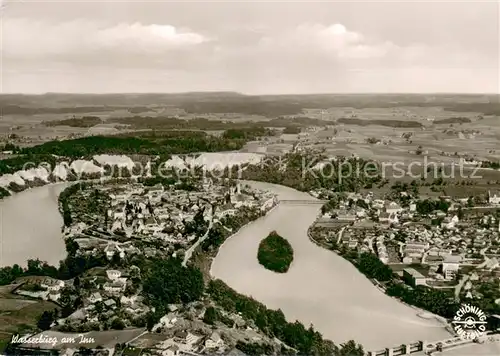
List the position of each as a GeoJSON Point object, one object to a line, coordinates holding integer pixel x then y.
{"type": "Point", "coordinates": [275, 253]}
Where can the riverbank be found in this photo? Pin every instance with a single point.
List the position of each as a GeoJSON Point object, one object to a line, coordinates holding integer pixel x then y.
{"type": "Point", "coordinates": [422, 313]}
{"type": "Point", "coordinates": [319, 288]}
{"type": "Point", "coordinates": [31, 226]}
{"type": "Point", "coordinates": [214, 253]}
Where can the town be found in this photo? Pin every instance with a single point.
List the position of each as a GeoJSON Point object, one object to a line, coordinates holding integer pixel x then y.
{"type": "Point", "coordinates": [448, 244]}
{"type": "Point", "coordinates": [117, 225]}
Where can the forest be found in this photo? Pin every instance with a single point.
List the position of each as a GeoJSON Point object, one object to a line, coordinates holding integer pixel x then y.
{"type": "Point", "coordinates": [85, 121]}
{"type": "Point", "coordinates": [147, 145]}
{"type": "Point", "coordinates": [27, 161]}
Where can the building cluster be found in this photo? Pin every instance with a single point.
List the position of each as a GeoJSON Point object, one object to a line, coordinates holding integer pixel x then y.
{"type": "Point", "coordinates": [154, 220]}
{"type": "Point", "coordinates": [443, 242]}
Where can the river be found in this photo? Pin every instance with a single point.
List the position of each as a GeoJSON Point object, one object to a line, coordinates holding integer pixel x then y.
{"type": "Point", "coordinates": [320, 287]}
{"type": "Point", "coordinates": [30, 226]}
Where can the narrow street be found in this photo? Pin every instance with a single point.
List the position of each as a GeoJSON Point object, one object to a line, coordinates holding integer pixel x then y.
{"type": "Point", "coordinates": [339, 238]}
{"type": "Point", "coordinates": [189, 251]}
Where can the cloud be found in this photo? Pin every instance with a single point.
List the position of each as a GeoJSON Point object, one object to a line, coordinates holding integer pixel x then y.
{"type": "Point", "coordinates": [352, 48]}
{"type": "Point", "coordinates": [334, 40]}
{"type": "Point", "coordinates": [150, 35]}
{"type": "Point", "coordinates": [29, 40]}
{"type": "Point", "coordinates": [86, 55]}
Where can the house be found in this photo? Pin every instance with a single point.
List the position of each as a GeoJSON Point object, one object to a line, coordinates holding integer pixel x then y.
{"type": "Point", "coordinates": [491, 264]}
{"type": "Point", "coordinates": [343, 215]}
{"type": "Point", "coordinates": [407, 260]}
{"type": "Point", "coordinates": [167, 321]}
{"type": "Point", "coordinates": [453, 222]}
{"type": "Point", "coordinates": [53, 295]}
{"type": "Point", "coordinates": [130, 300]}
{"type": "Point", "coordinates": [435, 251]}
{"type": "Point", "coordinates": [378, 204]}
{"type": "Point", "coordinates": [95, 297]}
{"type": "Point", "coordinates": [111, 249]}
{"type": "Point", "coordinates": [353, 243]}
{"type": "Point", "coordinates": [494, 198]}
{"type": "Point", "coordinates": [381, 250]}
{"type": "Point", "coordinates": [214, 341]}
{"type": "Point", "coordinates": [110, 303]}
{"type": "Point", "coordinates": [80, 314]}
{"type": "Point", "coordinates": [388, 218]}
{"type": "Point", "coordinates": [181, 335]}
{"type": "Point", "coordinates": [191, 339]}
{"type": "Point", "coordinates": [415, 248]}
{"type": "Point", "coordinates": [136, 309]}
{"type": "Point", "coordinates": [114, 287]}
{"type": "Point", "coordinates": [113, 274]}
{"type": "Point", "coordinates": [52, 285]}
{"type": "Point", "coordinates": [171, 351]}
{"type": "Point", "coordinates": [393, 207]}
{"type": "Point", "coordinates": [451, 265]}
{"type": "Point", "coordinates": [413, 277]}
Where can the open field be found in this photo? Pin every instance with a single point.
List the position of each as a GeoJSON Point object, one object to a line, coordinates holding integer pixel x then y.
{"type": "Point", "coordinates": [18, 314]}
{"type": "Point", "coordinates": [402, 129]}
{"type": "Point", "coordinates": [466, 124]}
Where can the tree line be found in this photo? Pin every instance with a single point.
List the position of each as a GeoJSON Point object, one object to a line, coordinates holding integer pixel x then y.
{"type": "Point", "coordinates": [273, 323]}
{"type": "Point", "coordinates": [427, 206]}
{"type": "Point", "coordinates": [71, 267]}
{"type": "Point", "coordinates": [93, 145]}
{"type": "Point", "coordinates": [14, 164]}
{"type": "Point", "coordinates": [296, 170]}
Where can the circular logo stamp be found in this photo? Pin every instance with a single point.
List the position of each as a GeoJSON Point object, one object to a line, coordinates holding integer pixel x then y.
{"type": "Point", "coordinates": [469, 322]}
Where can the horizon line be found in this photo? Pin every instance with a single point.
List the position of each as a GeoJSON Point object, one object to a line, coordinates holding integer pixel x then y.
{"type": "Point", "coordinates": [247, 94]}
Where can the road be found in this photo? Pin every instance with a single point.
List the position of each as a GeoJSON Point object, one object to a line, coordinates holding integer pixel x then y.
{"type": "Point", "coordinates": [460, 285]}
{"type": "Point", "coordinates": [339, 238]}
{"type": "Point", "coordinates": [190, 250]}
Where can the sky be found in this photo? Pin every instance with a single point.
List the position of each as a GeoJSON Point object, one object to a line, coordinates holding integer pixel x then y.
{"type": "Point", "coordinates": [279, 47]}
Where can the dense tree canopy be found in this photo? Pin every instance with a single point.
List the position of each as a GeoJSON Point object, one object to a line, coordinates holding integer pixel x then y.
{"type": "Point", "coordinates": [275, 253]}
{"type": "Point", "coordinates": [434, 300]}
{"type": "Point", "coordinates": [149, 145]}
{"type": "Point", "coordinates": [45, 320]}
{"type": "Point", "coordinates": [12, 165]}
{"type": "Point", "coordinates": [246, 133]}
{"type": "Point", "coordinates": [85, 121]}
{"type": "Point", "coordinates": [371, 266]}
{"type": "Point", "coordinates": [428, 206]}
{"type": "Point", "coordinates": [306, 341]}
{"type": "Point", "coordinates": [167, 281]}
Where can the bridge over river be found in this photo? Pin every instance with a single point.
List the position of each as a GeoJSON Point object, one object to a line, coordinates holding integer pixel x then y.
{"type": "Point", "coordinates": [428, 348]}
{"type": "Point", "coordinates": [302, 202]}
